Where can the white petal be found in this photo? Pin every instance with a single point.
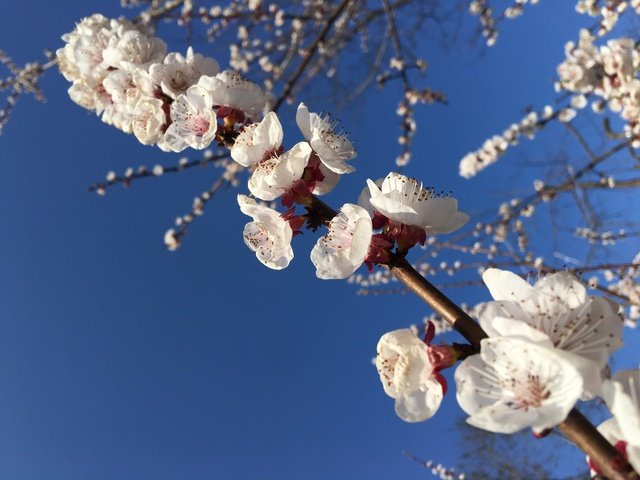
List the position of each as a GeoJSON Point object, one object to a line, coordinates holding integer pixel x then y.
{"type": "Point", "coordinates": [329, 182]}
{"type": "Point", "coordinates": [303, 119]}
{"type": "Point", "coordinates": [442, 214]}
{"type": "Point", "coordinates": [509, 327]}
{"type": "Point", "coordinates": [500, 418]}
{"type": "Point", "coordinates": [504, 285]}
{"type": "Point", "coordinates": [564, 285]}
{"type": "Point", "coordinates": [422, 404]}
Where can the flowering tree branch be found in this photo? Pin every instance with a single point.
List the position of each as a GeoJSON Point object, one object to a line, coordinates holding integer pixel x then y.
{"type": "Point", "coordinates": [576, 427]}
{"type": "Point", "coordinates": [536, 349]}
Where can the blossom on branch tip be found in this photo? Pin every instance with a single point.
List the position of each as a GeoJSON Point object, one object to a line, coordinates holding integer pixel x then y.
{"type": "Point", "coordinates": [409, 376]}
{"type": "Point", "coordinates": [333, 148]}
{"type": "Point", "coordinates": [340, 252]}
{"type": "Point", "coordinates": [268, 235]}
{"type": "Point", "coordinates": [405, 200]}
{"type": "Point", "coordinates": [513, 384]}
{"type": "Point", "coordinates": [171, 240]}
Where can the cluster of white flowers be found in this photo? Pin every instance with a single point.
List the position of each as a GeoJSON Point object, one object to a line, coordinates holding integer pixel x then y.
{"type": "Point", "coordinates": [175, 101]}
{"type": "Point", "coordinates": [549, 346]}
{"type": "Point", "coordinates": [124, 74]}
{"type": "Point", "coordinates": [608, 10]}
{"type": "Point", "coordinates": [472, 163]}
{"type": "Point", "coordinates": [609, 73]}
{"type": "Point", "coordinates": [310, 167]}
{"type": "Point", "coordinates": [604, 238]}
{"type": "Point", "coordinates": [484, 11]}
{"type": "Point", "coordinates": [398, 207]}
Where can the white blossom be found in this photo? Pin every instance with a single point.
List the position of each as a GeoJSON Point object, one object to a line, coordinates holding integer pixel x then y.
{"type": "Point", "coordinates": [273, 176]}
{"type": "Point", "coordinates": [148, 120]}
{"type": "Point", "coordinates": [177, 73]}
{"type": "Point", "coordinates": [171, 240]}
{"type": "Point", "coordinates": [329, 181]}
{"type": "Point", "coordinates": [229, 88]}
{"type": "Point", "coordinates": [333, 148]}
{"type": "Point", "coordinates": [258, 141]}
{"type": "Point", "coordinates": [513, 384]}
{"type": "Point", "coordinates": [407, 375]}
{"type": "Point", "coordinates": [90, 94]}
{"type": "Point", "coordinates": [405, 200]}
{"type": "Point", "coordinates": [126, 89]}
{"type": "Point", "coordinates": [81, 57]}
{"type": "Point", "coordinates": [133, 49]}
{"type": "Point", "coordinates": [193, 121]}
{"type": "Point", "coordinates": [340, 252]}
{"type": "Point", "coordinates": [268, 235]}
{"type": "Point", "coordinates": [557, 306]}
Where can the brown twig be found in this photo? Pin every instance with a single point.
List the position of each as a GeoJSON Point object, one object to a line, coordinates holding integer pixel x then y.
{"type": "Point", "coordinates": [310, 52]}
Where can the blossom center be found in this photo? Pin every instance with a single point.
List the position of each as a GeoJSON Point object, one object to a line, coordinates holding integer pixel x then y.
{"type": "Point", "coordinates": [258, 238]}
{"type": "Point", "coordinates": [527, 392]}
{"type": "Point", "coordinates": [340, 234]}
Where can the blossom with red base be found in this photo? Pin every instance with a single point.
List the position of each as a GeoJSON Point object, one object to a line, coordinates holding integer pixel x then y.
{"type": "Point", "coordinates": [409, 369]}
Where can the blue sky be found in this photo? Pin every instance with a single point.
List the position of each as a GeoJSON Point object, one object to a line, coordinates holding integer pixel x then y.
{"type": "Point", "coordinates": [121, 360]}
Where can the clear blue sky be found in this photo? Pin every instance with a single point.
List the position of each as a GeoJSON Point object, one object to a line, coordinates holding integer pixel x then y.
{"type": "Point", "coordinates": [121, 360]}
